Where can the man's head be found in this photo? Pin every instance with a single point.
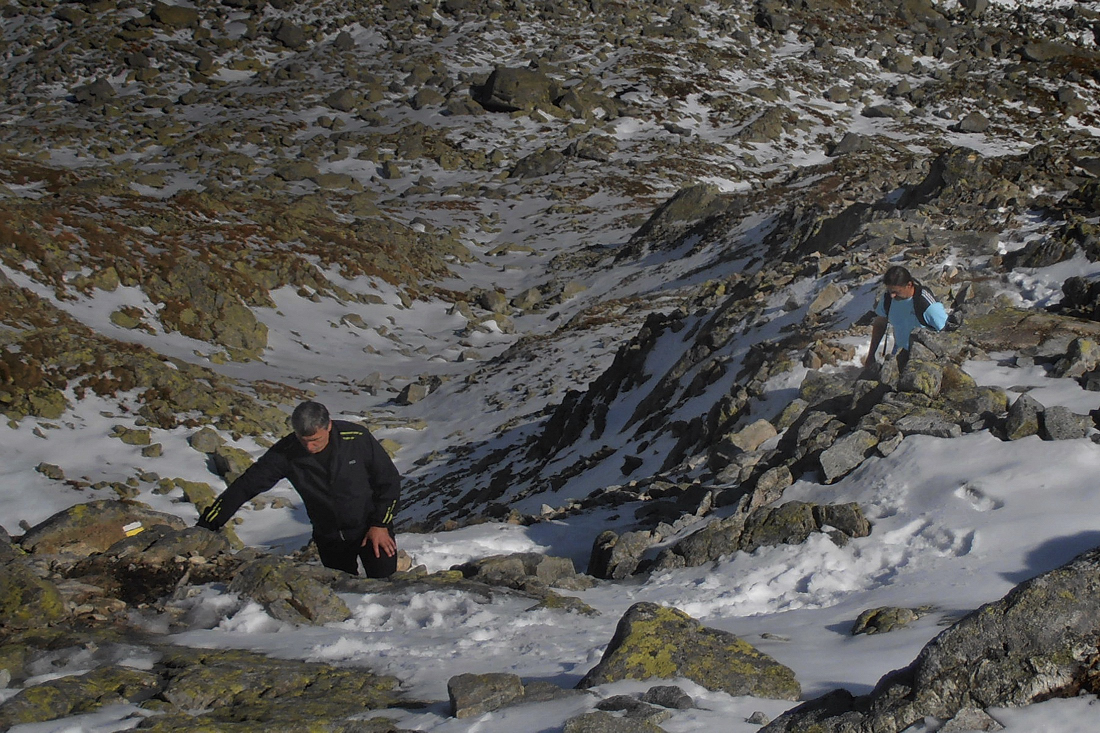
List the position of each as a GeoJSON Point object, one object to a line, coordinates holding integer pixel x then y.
{"type": "Point", "coordinates": [312, 424]}
{"type": "Point", "coordinates": [899, 283]}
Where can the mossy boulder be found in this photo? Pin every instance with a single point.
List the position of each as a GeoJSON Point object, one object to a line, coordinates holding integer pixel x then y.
{"type": "Point", "coordinates": [654, 642]}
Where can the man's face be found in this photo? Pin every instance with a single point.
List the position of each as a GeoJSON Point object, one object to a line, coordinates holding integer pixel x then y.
{"type": "Point", "coordinates": [901, 292]}
{"type": "Point", "coordinates": [316, 442]}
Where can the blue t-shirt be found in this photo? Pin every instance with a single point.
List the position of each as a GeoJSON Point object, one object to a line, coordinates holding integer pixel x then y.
{"type": "Point", "coordinates": [903, 317]}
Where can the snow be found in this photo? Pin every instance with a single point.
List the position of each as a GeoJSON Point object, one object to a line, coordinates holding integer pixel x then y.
{"type": "Point", "coordinates": [956, 523]}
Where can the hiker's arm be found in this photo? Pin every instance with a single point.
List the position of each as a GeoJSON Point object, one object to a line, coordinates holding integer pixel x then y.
{"type": "Point", "coordinates": [878, 330]}
{"type": "Point", "coordinates": [935, 316]}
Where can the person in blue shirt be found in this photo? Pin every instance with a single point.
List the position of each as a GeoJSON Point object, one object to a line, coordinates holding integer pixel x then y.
{"type": "Point", "coordinates": [906, 305]}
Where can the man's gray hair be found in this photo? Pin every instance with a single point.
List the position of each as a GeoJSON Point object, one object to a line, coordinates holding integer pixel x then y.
{"type": "Point", "coordinates": [308, 418]}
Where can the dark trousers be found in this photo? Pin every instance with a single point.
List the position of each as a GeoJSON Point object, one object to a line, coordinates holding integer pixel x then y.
{"type": "Point", "coordinates": [341, 555]}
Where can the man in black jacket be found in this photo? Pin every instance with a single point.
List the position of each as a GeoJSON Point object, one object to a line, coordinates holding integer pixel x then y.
{"type": "Point", "coordinates": [347, 482]}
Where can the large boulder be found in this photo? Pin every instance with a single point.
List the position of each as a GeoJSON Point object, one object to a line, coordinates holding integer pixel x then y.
{"type": "Point", "coordinates": [1036, 643]}
{"type": "Point", "coordinates": [653, 642]}
{"type": "Point", "coordinates": [513, 89]}
{"type": "Point", "coordinates": [93, 527]}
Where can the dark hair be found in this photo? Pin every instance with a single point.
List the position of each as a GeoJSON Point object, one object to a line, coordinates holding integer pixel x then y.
{"type": "Point", "coordinates": [897, 275]}
{"type": "Point", "coordinates": [308, 418]}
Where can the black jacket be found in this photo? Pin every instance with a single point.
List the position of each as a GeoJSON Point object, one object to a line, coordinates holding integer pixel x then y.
{"type": "Point", "coordinates": [358, 489]}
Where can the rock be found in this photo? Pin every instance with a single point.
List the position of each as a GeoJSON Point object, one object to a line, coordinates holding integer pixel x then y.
{"type": "Point", "coordinates": [928, 422]}
{"type": "Point", "coordinates": [668, 696]}
{"type": "Point", "coordinates": [1034, 644]}
{"type": "Point", "coordinates": [1083, 356]}
{"type": "Point", "coordinates": [50, 471]}
{"type": "Point", "coordinates": [27, 601]}
{"type": "Point", "coordinates": [604, 722]}
{"type": "Point", "coordinates": [538, 164]}
{"type": "Point", "coordinates": [98, 92]}
{"type": "Point", "coordinates": [826, 299]}
{"type": "Point", "coordinates": [1061, 423]}
{"type": "Point", "coordinates": [847, 453]}
{"type": "Point", "coordinates": [634, 709]}
{"type": "Point", "coordinates": [884, 619]}
{"type": "Point", "coordinates": [206, 440]}
{"type": "Point", "coordinates": [1023, 418]}
{"type": "Point", "coordinates": [652, 642]}
{"type": "Point", "coordinates": [476, 694]}
{"type": "Point", "coordinates": [290, 35]}
{"type": "Point", "coordinates": [174, 16]}
{"type": "Point", "coordinates": [521, 569]}
{"type": "Point", "coordinates": [76, 694]}
{"type": "Point", "coordinates": [615, 557]}
{"type": "Point", "coordinates": [412, 393]}
{"type": "Point", "coordinates": [793, 522]}
{"type": "Point", "coordinates": [752, 436]}
{"type": "Point", "coordinates": [93, 527]}
{"type": "Point", "coordinates": [132, 436]}
{"type": "Point", "coordinates": [970, 719]}
{"type": "Point", "coordinates": [921, 376]}
{"type": "Point", "coordinates": [973, 122]}
{"type": "Point", "coordinates": [343, 100]}
{"type": "Point", "coordinates": [230, 462]}
{"type": "Point", "coordinates": [288, 593]}
{"type": "Point", "coordinates": [514, 89]}
{"type": "Point", "coordinates": [852, 142]}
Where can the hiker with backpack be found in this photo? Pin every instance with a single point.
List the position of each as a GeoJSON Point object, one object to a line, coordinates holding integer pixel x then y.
{"type": "Point", "coordinates": [906, 305]}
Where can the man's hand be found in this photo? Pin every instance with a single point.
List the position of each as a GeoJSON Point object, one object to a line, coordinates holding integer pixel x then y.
{"type": "Point", "coordinates": [379, 538]}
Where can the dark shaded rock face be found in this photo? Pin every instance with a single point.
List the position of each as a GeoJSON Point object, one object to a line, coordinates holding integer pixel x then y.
{"type": "Point", "coordinates": [1039, 642]}
{"type": "Point", "coordinates": [652, 642]}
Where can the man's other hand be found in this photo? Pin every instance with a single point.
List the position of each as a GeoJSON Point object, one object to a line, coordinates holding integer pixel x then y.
{"type": "Point", "coordinates": [379, 538]}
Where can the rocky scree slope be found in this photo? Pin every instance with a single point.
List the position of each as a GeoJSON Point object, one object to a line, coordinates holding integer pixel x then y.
{"type": "Point", "coordinates": [728, 180]}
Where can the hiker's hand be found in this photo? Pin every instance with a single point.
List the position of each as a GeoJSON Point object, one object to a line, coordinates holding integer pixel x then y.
{"type": "Point", "coordinates": [380, 540]}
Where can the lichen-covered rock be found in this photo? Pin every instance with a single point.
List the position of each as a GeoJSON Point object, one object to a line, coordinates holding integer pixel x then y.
{"type": "Point", "coordinates": [59, 698]}
{"type": "Point", "coordinates": [652, 642]}
{"type": "Point", "coordinates": [230, 462]}
{"type": "Point", "coordinates": [1023, 418]}
{"type": "Point", "coordinates": [848, 452]}
{"type": "Point", "coordinates": [514, 89]}
{"type": "Point", "coordinates": [233, 687]}
{"type": "Point", "coordinates": [288, 592]}
{"type": "Point", "coordinates": [26, 600]}
{"type": "Point", "coordinates": [92, 527]}
{"type": "Point", "coordinates": [1036, 643]}
{"type": "Point", "coordinates": [793, 522]}
{"type": "Point", "coordinates": [476, 694]}
{"type": "Point", "coordinates": [884, 619]}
